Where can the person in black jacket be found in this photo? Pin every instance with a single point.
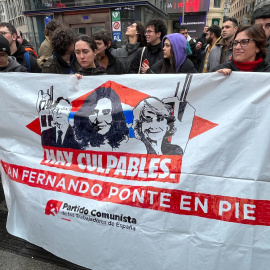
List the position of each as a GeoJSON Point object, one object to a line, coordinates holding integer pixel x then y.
{"type": "Point", "coordinates": [8, 63]}
{"type": "Point", "coordinates": [105, 59]}
{"type": "Point", "coordinates": [22, 57]}
{"type": "Point", "coordinates": [26, 44]}
{"type": "Point", "coordinates": [249, 51]}
{"type": "Point", "coordinates": [175, 56]}
{"type": "Point", "coordinates": [147, 56]}
{"type": "Point", "coordinates": [86, 51]}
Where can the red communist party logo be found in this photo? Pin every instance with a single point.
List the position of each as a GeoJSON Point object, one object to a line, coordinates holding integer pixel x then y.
{"type": "Point", "coordinates": [53, 207]}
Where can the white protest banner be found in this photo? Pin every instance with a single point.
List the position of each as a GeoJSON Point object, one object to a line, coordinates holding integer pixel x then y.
{"type": "Point", "coordinates": [139, 171]}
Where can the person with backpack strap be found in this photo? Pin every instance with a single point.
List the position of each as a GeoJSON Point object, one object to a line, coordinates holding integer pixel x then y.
{"type": "Point", "coordinates": [17, 50]}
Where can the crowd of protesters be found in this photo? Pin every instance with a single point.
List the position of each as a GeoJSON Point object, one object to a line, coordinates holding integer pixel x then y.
{"type": "Point", "coordinates": [149, 49]}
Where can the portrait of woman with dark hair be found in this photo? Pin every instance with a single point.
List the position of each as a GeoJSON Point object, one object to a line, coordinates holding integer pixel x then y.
{"type": "Point", "coordinates": [154, 124]}
{"type": "Point", "coordinates": [101, 121]}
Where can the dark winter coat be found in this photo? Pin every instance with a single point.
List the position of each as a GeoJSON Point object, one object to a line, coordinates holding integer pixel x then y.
{"type": "Point", "coordinates": [114, 65]}
{"type": "Point", "coordinates": [55, 64]}
{"type": "Point", "coordinates": [264, 66]}
{"type": "Point", "coordinates": [127, 54]}
{"type": "Point", "coordinates": [186, 67]}
{"type": "Point", "coordinates": [91, 71]}
{"type": "Point", "coordinates": [29, 48]}
{"type": "Point", "coordinates": [13, 66]}
{"type": "Point", "coordinates": [152, 53]}
{"type": "Point", "coordinates": [19, 55]}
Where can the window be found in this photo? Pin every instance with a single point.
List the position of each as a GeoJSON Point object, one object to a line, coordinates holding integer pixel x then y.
{"type": "Point", "coordinates": [216, 3]}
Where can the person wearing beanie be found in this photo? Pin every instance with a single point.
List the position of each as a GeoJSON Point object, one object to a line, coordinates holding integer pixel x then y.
{"type": "Point", "coordinates": [175, 56]}
{"type": "Point", "coordinates": [8, 63]}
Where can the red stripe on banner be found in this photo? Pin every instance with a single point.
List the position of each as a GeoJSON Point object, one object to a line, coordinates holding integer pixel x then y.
{"type": "Point", "coordinates": [139, 167]}
{"type": "Point", "coordinates": [225, 208]}
{"type": "Point", "coordinates": [66, 219]}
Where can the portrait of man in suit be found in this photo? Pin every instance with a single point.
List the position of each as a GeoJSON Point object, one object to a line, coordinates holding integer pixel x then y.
{"type": "Point", "coordinates": [61, 134]}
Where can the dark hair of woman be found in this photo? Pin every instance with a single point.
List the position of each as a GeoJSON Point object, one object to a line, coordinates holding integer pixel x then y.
{"type": "Point", "coordinates": [87, 133]}
{"type": "Point", "coordinates": [257, 34]}
{"type": "Point", "coordinates": [141, 36]}
{"type": "Point", "coordinates": [62, 38]}
{"type": "Point", "coordinates": [90, 41]}
{"type": "Point", "coordinates": [167, 66]}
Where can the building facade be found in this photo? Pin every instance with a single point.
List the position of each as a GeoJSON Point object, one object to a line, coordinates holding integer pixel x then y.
{"type": "Point", "coordinates": [88, 17]}
{"type": "Point", "coordinates": [12, 11]}
{"type": "Point", "coordinates": [261, 4]}
{"type": "Point", "coordinates": [242, 10]}
{"type": "Point", "coordinates": [216, 12]}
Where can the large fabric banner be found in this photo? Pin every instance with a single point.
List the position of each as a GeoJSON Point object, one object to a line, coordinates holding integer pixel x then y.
{"type": "Point", "coordinates": [139, 171]}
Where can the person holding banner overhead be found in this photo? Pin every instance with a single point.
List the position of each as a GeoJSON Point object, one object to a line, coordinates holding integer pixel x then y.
{"type": "Point", "coordinates": [249, 51]}
{"type": "Point", "coordinates": [174, 52]}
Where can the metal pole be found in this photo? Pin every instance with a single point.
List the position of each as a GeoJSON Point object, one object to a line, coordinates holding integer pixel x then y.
{"type": "Point", "coordinates": [183, 13]}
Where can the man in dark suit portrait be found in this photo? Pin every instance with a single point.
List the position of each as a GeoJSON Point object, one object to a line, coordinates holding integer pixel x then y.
{"type": "Point", "coordinates": [61, 135]}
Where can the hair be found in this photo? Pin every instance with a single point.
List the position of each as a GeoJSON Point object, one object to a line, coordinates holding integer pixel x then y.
{"type": "Point", "coordinates": [261, 13]}
{"type": "Point", "coordinates": [233, 20]}
{"type": "Point", "coordinates": [10, 27]}
{"type": "Point", "coordinates": [182, 27]}
{"type": "Point", "coordinates": [105, 36]}
{"type": "Point", "coordinates": [21, 34]}
{"type": "Point", "coordinates": [62, 38]}
{"type": "Point", "coordinates": [159, 26]}
{"type": "Point", "coordinates": [159, 108]}
{"type": "Point", "coordinates": [51, 27]}
{"type": "Point", "coordinates": [59, 99]}
{"type": "Point", "coordinates": [87, 133]}
{"type": "Point", "coordinates": [141, 36]}
{"type": "Point", "coordinates": [257, 34]}
{"type": "Point", "coordinates": [214, 29]}
{"type": "Point", "coordinates": [167, 66]}
{"type": "Point", "coordinates": [178, 52]}
{"type": "Point", "coordinates": [90, 41]}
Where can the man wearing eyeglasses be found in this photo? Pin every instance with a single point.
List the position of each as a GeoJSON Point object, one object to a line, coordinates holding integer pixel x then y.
{"type": "Point", "coordinates": [147, 56]}
{"type": "Point", "coordinates": [222, 52]}
{"type": "Point", "coordinates": [16, 49]}
{"type": "Point", "coordinates": [262, 16]}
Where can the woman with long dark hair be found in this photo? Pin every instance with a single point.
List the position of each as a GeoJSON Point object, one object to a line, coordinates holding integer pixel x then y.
{"type": "Point", "coordinates": [101, 120]}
